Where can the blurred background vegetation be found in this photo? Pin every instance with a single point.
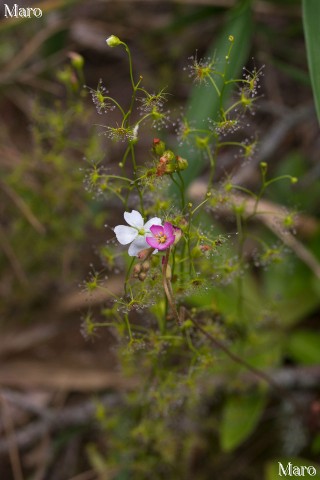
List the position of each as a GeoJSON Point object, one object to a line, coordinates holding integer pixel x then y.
{"type": "Point", "coordinates": [67, 410]}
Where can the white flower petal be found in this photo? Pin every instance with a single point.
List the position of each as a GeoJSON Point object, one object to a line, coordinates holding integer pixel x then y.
{"type": "Point", "coordinates": [134, 219]}
{"type": "Point", "coordinates": [125, 234]}
{"type": "Point", "coordinates": [152, 221]}
{"type": "Point", "coordinates": [137, 246]}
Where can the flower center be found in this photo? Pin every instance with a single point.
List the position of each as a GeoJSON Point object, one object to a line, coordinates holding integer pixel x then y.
{"type": "Point", "coordinates": [161, 237]}
{"type": "Point", "coordinates": [141, 232]}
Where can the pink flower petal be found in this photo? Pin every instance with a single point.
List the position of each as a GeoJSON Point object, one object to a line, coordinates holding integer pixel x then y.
{"type": "Point", "coordinates": [168, 229]}
{"type": "Point", "coordinates": [156, 229]}
{"type": "Point", "coordinates": [153, 242]}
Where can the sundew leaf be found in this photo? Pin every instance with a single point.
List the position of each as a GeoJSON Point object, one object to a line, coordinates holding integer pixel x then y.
{"type": "Point", "coordinates": [240, 417]}
{"type": "Point", "coordinates": [311, 15]}
{"type": "Point", "coordinates": [304, 347]}
{"type": "Point", "coordinates": [204, 101]}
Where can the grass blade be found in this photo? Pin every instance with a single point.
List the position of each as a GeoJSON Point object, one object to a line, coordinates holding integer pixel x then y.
{"type": "Point", "coordinates": [311, 16]}
{"type": "Point", "coordinates": [204, 101]}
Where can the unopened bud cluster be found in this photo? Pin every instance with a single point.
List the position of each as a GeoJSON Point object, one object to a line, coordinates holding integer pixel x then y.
{"type": "Point", "coordinates": [168, 161]}
{"type": "Point", "coordinates": [140, 270]}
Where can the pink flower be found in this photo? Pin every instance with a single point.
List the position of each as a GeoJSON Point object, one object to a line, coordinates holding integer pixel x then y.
{"type": "Point", "coordinates": [163, 236]}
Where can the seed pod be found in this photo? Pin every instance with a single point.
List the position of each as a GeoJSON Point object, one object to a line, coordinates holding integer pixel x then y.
{"type": "Point", "coordinates": [142, 276]}
{"type": "Point", "coordinates": [168, 272]}
{"type": "Point", "coordinates": [145, 266]}
{"type": "Point", "coordinates": [137, 269]}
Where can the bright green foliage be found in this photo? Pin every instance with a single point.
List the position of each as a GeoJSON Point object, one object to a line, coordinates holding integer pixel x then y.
{"type": "Point", "coordinates": [311, 15]}
{"type": "Point", "coordinates": [204, 102]}
{"type": "Point", "coordinates": [304, 347]}
{"type": "Point", "coordinates": [239, 419]}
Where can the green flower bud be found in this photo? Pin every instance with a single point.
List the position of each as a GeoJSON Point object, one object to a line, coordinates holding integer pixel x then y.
{"type": "Point", "coordinates": [77, 61]}
{"type": "Point", "coordinates": [113, 41]}
{"type": "Point", "coordinates": [158, 146]}
{"type": "Point", "coordinates": [182, 163]}
{"type": "Point", "coordinates": [264, 167]}
{"type": "Point", "coordinates": [168, 156]}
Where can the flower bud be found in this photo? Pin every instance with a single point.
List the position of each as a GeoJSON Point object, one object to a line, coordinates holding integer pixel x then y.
{"type": "Point", "coordinates": [169, 156]}
{"type": "Point", "coordinates": [142, 276]}
{"type": "Point", "coordinates": [144, 254]}
{"type": "Point", "coordinates": [182, 163]}
{"type": "Point", "coordinates": [113, 41]}
{"type": "Point", "coordinates": [264, 167]}
{"type": "Point", "coordinates": [145, 266]}
{"type": "Point", "coordinates": [77, 61]}
{"type": "Point", "coordinates": [177, 233]}
{"type": "Point", "coordinates": [137, 269]}
{"type": "Point", "coordinates": [158, 146]}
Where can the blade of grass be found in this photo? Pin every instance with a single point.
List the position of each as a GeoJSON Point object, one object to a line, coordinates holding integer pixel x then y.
{"type": "Point", "coordinates": [311, 16]}
{"type": "Point", "coordinates": [204, 101]}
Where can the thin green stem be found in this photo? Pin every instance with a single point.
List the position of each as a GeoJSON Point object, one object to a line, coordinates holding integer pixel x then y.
{"type": "Point", "coordinates": [232, 107]}
{"type": "Point", "coordinates": [130, 65]}
{"type": "Point", "coordinates": [234, 144]}
{"type": "Point", "coordinates": [116, 104]}
{"type": "Point", "coordinates": [127, 322]}
{"type": "Point", "coordinates": [125, 179]}
{"type": "Point", "coordinates": [199, 206]}
{"type": "Point", "coordinates": [212, 160]}
{"type": "Point", "coordinates": [134, 164]}
{"type": "Point", "coordinates": [240, 255]}
{"type": "Point", "coordinates": [215, 85]}
{"type": "Point", "coordinates": [245, 190]}
{"type": "Point", "coordinates": [128, 276]}
{"type": "Point", "coordinates": [190, 344]}
{"type": "Point", "coordinates": [183, 202]}
{"type": "Point", "coordinates": [273, 180]}
{"type": "Point", "coordinates": [258, 373]}
{"type": "Point", "coordinates": [167, 287]}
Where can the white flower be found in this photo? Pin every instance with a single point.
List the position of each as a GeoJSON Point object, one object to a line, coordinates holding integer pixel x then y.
{"type": "Point", "coordinates": [137, 232]}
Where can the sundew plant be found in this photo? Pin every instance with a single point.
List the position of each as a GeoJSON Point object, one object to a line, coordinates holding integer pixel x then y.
{"type": "Point", "coordinates": [188, 311]}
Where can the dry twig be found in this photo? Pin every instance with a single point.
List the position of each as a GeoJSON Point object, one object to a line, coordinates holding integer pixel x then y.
{"type": "Point", "coordinates": [59, 420]}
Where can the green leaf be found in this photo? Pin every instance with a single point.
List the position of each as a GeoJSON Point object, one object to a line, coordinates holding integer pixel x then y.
{"type": "Point", "coordinates": [311, 16]}
{"type": "Point", "coordinates": [204, 101]}
{"type": "Point", "coordinates": [304, 347]}
{"type": "Point", "coordinates": [240, 417]}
